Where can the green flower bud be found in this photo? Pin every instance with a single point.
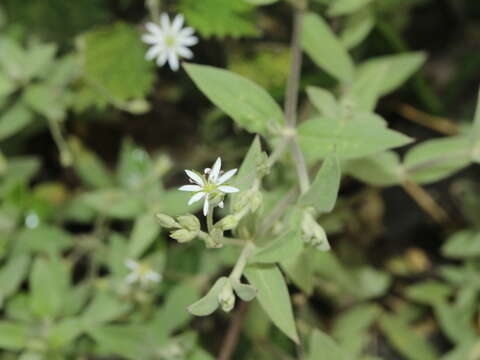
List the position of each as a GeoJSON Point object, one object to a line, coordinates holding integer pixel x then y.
{"type": "Point", "coordinates": [183, 235]}
{"type": "Point", "coordinates": [226, 298]}
{"type": "Point", "coordinates": [228, 222]}
{"type": "Point", "coordinates": [189, 222]}
{"type": "Point", "coordinates": [314, 234]}
{"type": "Point", "coordinates": [167, 221]}
{"type": "Point", "coordinates": [214, 239]}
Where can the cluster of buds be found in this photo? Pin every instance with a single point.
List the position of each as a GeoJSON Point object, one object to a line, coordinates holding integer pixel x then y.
{"type": "Point", "coordinates": [184, 229]}
{"type": "Point", "coordinates": [313, 233]}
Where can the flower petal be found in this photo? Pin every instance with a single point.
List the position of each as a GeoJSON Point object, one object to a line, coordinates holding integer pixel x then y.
{"type": "Point", "coordinates": [131, 264]}
{"type": "Point", "coordinates": [162, 58]}
{"type": "Point", "coordinates": [196, 178]}
{"type": "Point", "coordinates": [187, 41]}
{"type": "Point", "coordinates": [150, 39]}
{"type": "Point", "coordinates": [215, 170]}
{"type": "Point", "coordinates": [154, 28]}
{"type": "Point", "coordinates": [165, 22]}
{"type": "Point", "coordinates": [153, 52]}
{"type": "Point", "coordinates": [184, 52]}
{"type": "Point", "coordinates": [186, 32]}
{"type": "Point", "coordinates": [226, 176]}
{"type": "Point", "coordinates": [173, 61]}
{"type": "Point", "coordinates": [153, 276]}
{"type": "Point", "coordinates": [190, 188]}
{"type": "Point", "coordinates": [131, 278]}
{"type": "Point", "coordinates": [196, 197]}
{"type": "Point", "coordinates": [205, 206]}
{"type": "Point", "coordinates": [177, 23]}
{"type": "Point", "coordinates": [221, 204]}
{"type": "Point", "coordinates": [228, 189]}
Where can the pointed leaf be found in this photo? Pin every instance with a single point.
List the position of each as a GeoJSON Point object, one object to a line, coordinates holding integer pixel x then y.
{"type": "Point", "coordinates": [209, 303]}
{"type": "Point", "coordinates": [283, 247]}
{"type": "Point", "coordinates": [322, 346]}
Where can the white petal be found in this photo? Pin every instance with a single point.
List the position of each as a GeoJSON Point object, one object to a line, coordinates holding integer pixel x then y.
{"type": "Point", "coordinates": [186, 32]}
{"type": "Point", "coordinates": [226, 176]}
{"type": "Point", "coordinates": [196, 197]}
{"type": "Point", "coordinates": [131, 264]}
{"type": "Point", "coordinates": [150, 39]}
{"type": "Point", "coordinates": [153, 52]}
{"type": "Point", "coordinates": [153, 276]}
{"type": "Point", "coordinates": [177, 23]}
{"type": "Point", "coordinates": [198, 179]}
{"type": "Point", "coordinates": [215, 170]}
{"type": "Point", "coordinates": [228, 189]}
{"type": "Point", "coordinates": [221, 204]}
{"type": "Point", "coordinates": [154, 28]}
{"type": "Point", "coordinates": [173, 61]}
{"type": "Point", "coordinates": [165, 22]}
{"type": "Point", "coordinates": [205, 206]}
{"type": "Point", "coordinates": [187, 41]}
{"type": "Point", "coordinates": [184, 52]}
{"type": "Point", "coordinates": [190, 188]}
{"type": "Point", "coordinates": [131, 278]}
{"type": "Point", "coordinates": [162, 58]}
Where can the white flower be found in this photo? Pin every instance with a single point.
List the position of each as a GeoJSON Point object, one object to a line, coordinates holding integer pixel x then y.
{"type": "Point", "coordinates": [210, 186]}
{"type": "Point", "coordinates": [141, 272]}
{"type": "Point", "coordinates": [169, 41]}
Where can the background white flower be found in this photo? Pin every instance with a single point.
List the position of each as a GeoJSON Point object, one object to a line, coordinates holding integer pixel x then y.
{"type": "Point", "coordinates": [141, 272]}
{"type": "Point", "coordinates": [208, 186]}
{"type": "Point", "coordinates": [169, 41]}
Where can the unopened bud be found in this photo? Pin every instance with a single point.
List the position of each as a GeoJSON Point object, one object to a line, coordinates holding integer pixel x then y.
{"type": "Point", "coordinates": [314, 234]}
{"type": "Point", "coordinates": [189, 222]}
{"type": "Point", "coordinates": [167, 221]}
{"type": "Point", "coordinates": [183, 235]}
{"type": "Point", "coordinates": [226, 298]}
{"type": "Point", "coordinates": [228, 222]}
{"type": "Point", "coordinates": [263, 165]}
{"type": "Point", "coordinates": [214, 238]}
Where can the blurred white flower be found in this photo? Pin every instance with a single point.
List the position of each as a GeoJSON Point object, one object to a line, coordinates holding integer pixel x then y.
{"type": "Point", "coordinates": [169, 41]}
{"type": "Point", "coordinates": [141, 272]}
{"type": "Point", "coordinates": [209, 185]}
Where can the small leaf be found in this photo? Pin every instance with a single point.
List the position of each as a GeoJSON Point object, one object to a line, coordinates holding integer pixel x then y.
{"type": "Point", "coordinates": [324, 101]}
{"type": "Point", "coordinates": [64, 332]}
{"type": "Point", "coordinates": [243, 100]}
{"type": "Point", "coordinates": [325, 49]}
{"type": "Point", "coordinates": [344, 7]}
{"type": "Point", "coordinates": [283, 247]}
{"type": "Point", "coordinates": [115, 203]}
{"type": "Point", "coordinates": [322, 346]}
{"type": "Point", "coordinates": [13, 336]}
{"type": "Point", "coordinates": [245, 292]}
{"type": "Point", "coordinates": [462, 244]}
{"type": "Point", "coordinates": [323, 193]}
{"type": "Point", "coordinates": [103, 308]}
{"type": "Point", "coordinates": [145, 230]}
{"type": "Point", "coordinates": [15, 119]}
{"type": "Point", "coordinates": [428, 292]}
{"type": "Point", "coordinates": [12, 274]}
{"type": "Point", "coordinates": [455, 322]}
{"type": "Point", "coordinates": [357, 27]}
{"type": "Point", "coordinates": [273, 297]}
{"type": "Point", "coordinates": [209, 303]}
{"type": "Point", "coordinates": [43, 239]}
{"type": "Point", "coordinates": [382, 169]}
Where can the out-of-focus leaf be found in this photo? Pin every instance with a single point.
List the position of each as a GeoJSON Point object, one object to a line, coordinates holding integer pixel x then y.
{"type": "Point", "coordinates": [287, 246]}
{"type": "Point", "coordinates": [357, 28]}
{"type": "Point", "coordinates": [455, 322]}
{"type": "Point", "coordinates": [435, 159]}
{"type": "Point", "coordinates": [7, 86]}
{"type": "Point", "coordinates": [43, 239]}
{"type": "Point", "coordinates": [344, 7]}
{"type": "Point", "coordinates": [48, 101]}
{"type": "Point", "coordinates": [273, 296]}
{"type": "Point", "coordinates": [12, 274]}
{"type": "Point", "coordinates": [468, 350]}
{"type": "Point", "coordinates": [243, 100]}
{"type": "Point", "coordinates": [115, 203]}
{"type": "Point", "coordinates": [261, 2]}
{"type": "Point", "coordinates": [134, 165]}
{"type": "Point", "coordinates": [64, 332]}
{"type": "Point", "coordinates": [405, 340]}
{"type": "Point", "coordinates": [371, 282]}
{"type": "Point", "coordinates": [323, 193]}
{"type": "Point", "coordinates": [220, 18]}
{"type": "Point", "coordinates": [322, 45]}
{"type": "Point", "coordinates": [13, 336]}
{"type": "Point", "coordinates": [38, 59]}
{"type": "Point", "coordinates": [476, 124]}
{"type": "Point", "coordinates": [76, 298]}
{"type": "Point", "coordinates": [23, 168]}
{"type": "Point", "coordinates": [324, 101]}
{"type": "Point", "coordinates": [200, 354]}
{"type": "Point", "coordinates": [12, 58]}
{"type": "Point", "coordinates": [322, 346]}
{"type": "Point", "coordinates": [382, 169]}
{"type": "Point", "coordinates": [428, 292]}
{"type": "Point", "coordinates": [462, 244]}
{"type": "Point", "coordinates": [18, 308]}
{"type": "Point", "coordinates": [209, 303]}
{"type": "Point", "coordinates": [13, 120]}
{"type": "Point", "coordinates": [114, 62]}
{"type": "Point", "coordinates": [145, 230]}
{"type": "Point", "coordinates": [350, 140]}
{"type": "Point", "coordinates": [104, 308]}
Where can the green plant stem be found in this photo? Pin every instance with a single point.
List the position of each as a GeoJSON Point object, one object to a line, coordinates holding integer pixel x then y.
{"type": "Point", "coordinates": [210, 219]}
{"type": "Point", "coordinates": [237, 270]}
{"type": "Point", "coordinates": [66, 158]}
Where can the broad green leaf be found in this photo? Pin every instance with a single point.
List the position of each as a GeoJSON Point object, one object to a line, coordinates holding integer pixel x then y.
{"type": "Point", "coordinates": [436, 159]}
{"type": "Point", "coordinates": [325, 49]}
{"type": "Point", "coordinates": [209, 303]}
{"type": "Point", "coordinates": [455, 322]}
{"type": "Point", "coordinates": [245, 292]}
{"type": "Point", "coordinates": [398, 69]}
{"type": "Point", "coordinates": [468, 350]}
{"type": "Point", "coordinates": [103, 308]}
{"type": "Point", "coordinates": [64, 332]}
{"type": "Point", "coordinates": [12, 58]}
{"type": "Point", "coordinates": [115, 203]}
{"type": "Point", "coordinates": [38, 59]}
{"type": "Point", "coordinates": [273, 296]}
{"type": "Point", "coordinates": [13, 336]}
{"type": "Point", "coordinates": [243, 100]}
{"type": "Point", "coordinates": [300, 270]}
{"type": "Point", "coordinates": [43, 239]}
{"type": "Point", "coordinates": [76, 298]}
{"type": "Point", "coordinates": [7, 86]}
{"type": "Point", "coordinates": [200, 354]}
{"type": "Point", "coordinates": [114, 62]}
{"type": "Point", "coordinates": [350, 140]}
{"type": "Point", "coordinates": [371, 282]}
{"type": "Point", "coordinates": [12, 274]}
{"type": "Point", "coordinates": [365, 90]}
{"type": "Point", "coordinates": [382, 169]}
{"type": "Point", "coordinates": [324, 101]}
{"type": "Point", "coordinates": [322, 347]}
{"type": "Point", "coordinates": [462, 244]}
{"type": "Point", "coordinates": [411, 345]}
{"type": "Point", "coordinates": [344, 7]}
{"type": "Point", "coordinates": [286, 246]}
{"type": "Point", "coordinates": [48, 101]}
{"type": "Point", "coordinates": [428, 292]}
{"type": "Point", "coordinates": [357, 27]}
{"type": "Point", "coordinates": [15, 119]}
{"type": "Point", "coordinates": [145, 230]}
{"type": "Point", "coordinates": [323, 193]}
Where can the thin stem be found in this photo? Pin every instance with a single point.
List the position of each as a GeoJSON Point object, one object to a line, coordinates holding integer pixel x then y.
{"type": "Point", "coordinates": [278, 211]}
{"type": "Point", "coordinates": [237, 270]}
{"type": "Point", "coordinates": [233, 333]}
{"type": "Point", "coordinates": [66, 158]}
{"type": "Point", "coordinates": [301, 167]}
{"type": "Point", "coordinates": [210, 218]}
{"type": "Point", "coordinates": [278, 151]}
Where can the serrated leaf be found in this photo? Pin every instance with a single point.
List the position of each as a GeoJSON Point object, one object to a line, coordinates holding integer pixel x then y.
{"type": "Point", "coordinates": [209, 303]}
{"type": "Point", "coordinates": [283, 247]}
{"type": "Point", "coordinates": [325, 49]}
{"type": "Point", "coordinates": [145, 230]}
{"type": "Point", "coordinates": [382, 169]}
{"type": "Point", "coordinates": [273, 297]}
{"type": "Point", "coordinates": [114, 62]}
{"type": "Point", "coordinates": [462, 244]}
{"type": "Point", "coordinates": [357, 27]}
{"type": "Point", "coordinates": [350, 140]}
{"type": "Point", "coordinates": [15, 119]}
{"type": "Point", "coordinates": [243, 100]}
{"type": "Point", "coordinates": [323, 193]}
{"type": "Point", "coordinates": [13, 336]}
{"type": "Point", "coordinates": [322, 346]}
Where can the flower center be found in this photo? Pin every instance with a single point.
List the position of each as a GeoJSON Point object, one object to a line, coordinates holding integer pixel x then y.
{"type": "Point", "coordinates": [209, 187]}
{"type": "Point", "coordinates": [170, 40]}
{"type": "Point", "coordinates": [143, 270]}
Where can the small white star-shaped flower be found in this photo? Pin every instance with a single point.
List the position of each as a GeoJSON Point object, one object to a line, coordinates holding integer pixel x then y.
{"type": "Point", "coordinates": [208, 187]}
{"type": "Point", "coordinates": [169, 41]}
{"type": "Point", "coordinates": [141, 272]}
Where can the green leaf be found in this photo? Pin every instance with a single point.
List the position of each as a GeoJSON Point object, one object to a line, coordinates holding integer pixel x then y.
{"type": "Point", "coordinates": [47, 100]}
{"type": "Point", "coordinates": [371, 282]}
{"type": "Point", "coordinates": [273, 297]}
{"type": "Point", "coordinates": [286, 246]}
{"type": "Point", "coordinates": [345, 7]}
{"type": "Point", "coordinates": [407, 342]}
{"type": "Point", "coordinates": [145, 230]}
{"type": "Point", "coordinates": [455, 322]}
{"type": "Point", "coordinates": [43, 239]}
{"type": "Point", "coordinates": [7, 86]}
{"type": "Point", "coordinates": [235, 18]}
{"type": "Point", "coordinates": [114, 62]}
{"type": "Point", "coordinates": [398, 69]}
{"type": "Point", "coordinates": [261, 2]}
{"type": "Point", "coordinates": [243, 100]}
{"type": "Point", "coordinates": [209, 303]}
{"type": "Point", "coordinates": [134, 165]}
{"type": "Point", "coordinates": [323, 193]}
{"type": "Point", "coordinates": [300, 271]}
{"type": "Point", "coordinates": [357, 27]}
{"type": "Point", "coordinates": [12, 274]}
{"type": "Point", "coordinates": [428, 292]}
{"type": "Point", "coordinates": [245, 292]}
{"type": "Point", "coordinates": [476, 124]}
{"type": "Point", "coordinates": [324, 102]}
{"type": "Point", "coordinates": [12, 58]}
{"type": "Point", "coordinates": [325, 49]}
{"type": "Point", "coordinates": [462, 244]}
{"type": "Point", "coordinates": [436, 159]}
{"type": "Point", "coordinates": [13, 336]}
{"type": "Point", "coordinates": [382, 169]}
{"type": "Point", "coordinates": [115, 203]}
{"type": "Point", "coordinates": [64, 332]}
{"type": "Point", "coordinates": [15, 119]}
{"type": "Point", "coordinates": [350, 140]}
{"type": "Point", "coordinates": [38, 59]}
{"type": "Point", "coordinates": [322, 346]}
{"type": "Point", "coordinates": [104, 308]}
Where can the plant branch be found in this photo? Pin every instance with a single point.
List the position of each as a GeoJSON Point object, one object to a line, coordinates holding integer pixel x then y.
{"type": "Point", "coordinates": [231, 339]}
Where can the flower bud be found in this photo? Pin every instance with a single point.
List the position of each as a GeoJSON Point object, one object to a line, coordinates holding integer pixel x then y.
{"type": "Point", "coordinates": [314, 234]}
{"type": "Point", "coordinates": [226, 298]}
{"type": "Point", "coordinates": [167, 221]}
{"type": "Point", "coordinates": [183, 235]}
{"type": "Point", "coordinates": [214, 238]}
{"type": "Point", "coordinates": [189, 222]}
{"type": "Point", "coordinates": [228, 222]}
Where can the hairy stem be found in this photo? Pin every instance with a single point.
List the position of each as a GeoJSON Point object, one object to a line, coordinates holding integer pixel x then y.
{"type": "Point", "coordinates": [237, 270]}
